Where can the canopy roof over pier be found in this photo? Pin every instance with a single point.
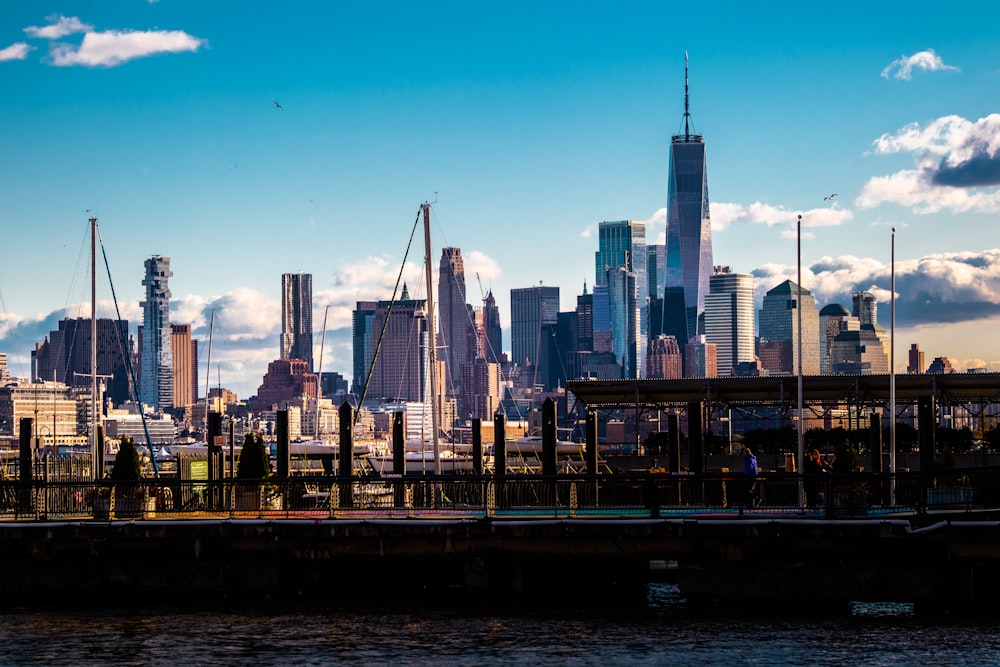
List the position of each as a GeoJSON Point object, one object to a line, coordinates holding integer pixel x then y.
{"type": "Point", "coordinates": [947, 389]}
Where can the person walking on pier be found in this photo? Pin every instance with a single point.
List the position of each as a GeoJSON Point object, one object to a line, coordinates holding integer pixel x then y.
{"type": "Point", "coordinates": [750, 471]}
{"type": "Point", "coordinates": [813, 467]}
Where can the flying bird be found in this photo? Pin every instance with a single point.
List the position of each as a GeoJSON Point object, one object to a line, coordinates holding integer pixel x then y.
{"type": "Point", "coordinates": [830, 197]}
{"type": "Point", "coordinates": [277, 106]}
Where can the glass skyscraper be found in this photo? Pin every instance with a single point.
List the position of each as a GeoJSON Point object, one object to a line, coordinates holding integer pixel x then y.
{"type": "Point", "coordinates": [729, 318]}
{"type": "Point", "coordinates": [157, 379]}
{"type": "Point", "coordinates": [620, 263]}
{"type": "Point", "coordinates": [689, 234]}
{"type": "Point", "coordinates": [534, 311]}
{"type": "Point", "coordinates": [296, 317]}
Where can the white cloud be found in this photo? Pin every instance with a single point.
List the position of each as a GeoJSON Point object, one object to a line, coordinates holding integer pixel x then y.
{"type": "Point", "coordinates": [62, 26]}
{"type": "Point", "coordinates": [724, 214]}
{"type": "Point", "coordinates": [17, 51]}
{"type": "Point", "coordinates": [115, 47]}
{"type": "Point", "coordinates": [955, 160]}
{"type": "Point", "coordinates": [478, 262]}
{"type": "Point", "coordinates": [927, 60]}
{"type": "Point", "coordinates": [589, 231]}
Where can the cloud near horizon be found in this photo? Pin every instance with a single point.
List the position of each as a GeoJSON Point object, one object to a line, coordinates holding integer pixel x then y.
{"type": "Point", "coordinates": [927, 60]}
{"type": "Point", "coordinates": [957, 167]}
{"type": "Point", "coordinates": [943, 288]}
{"type": "Point", "coordinates": [932, 292]}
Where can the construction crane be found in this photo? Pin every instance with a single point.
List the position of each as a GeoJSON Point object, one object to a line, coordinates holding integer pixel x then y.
{"type": "Point", "coordinates": [481, 291]}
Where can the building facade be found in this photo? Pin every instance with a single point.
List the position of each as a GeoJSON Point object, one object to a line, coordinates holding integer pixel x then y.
{"type": "Point", "coordinates": [156, 358]}
{"type": "Point", "coordinates": [296, 317]}
{"type": "Point", "coordinates": [621, 263]}
{"type": "Point", "coordinates": [184, 350]}
{"type": "Point", "coordinates": [778, 349]}
{"type": "Point", "coordinates": [454, 323]}
{"type": "Point", "coordinates": [65, 356]}
{"type": "Point", "coordinates": [729, 318]}
{"type": "Point", "coordinates": [534, 312]}
{"type": "Point", "coordinates": [689, 233]}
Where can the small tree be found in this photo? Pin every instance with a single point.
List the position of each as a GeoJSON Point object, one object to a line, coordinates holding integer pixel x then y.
{"type": "Point", "coordinates": [128, 467]}
{"type": "Point", "coordinates": [255, 462]}
{"type": "Point", "coordinates": [846, 458]}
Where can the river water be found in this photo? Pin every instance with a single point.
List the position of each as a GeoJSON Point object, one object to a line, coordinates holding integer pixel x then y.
{"type": "Point", "coordinates": [656, 629]}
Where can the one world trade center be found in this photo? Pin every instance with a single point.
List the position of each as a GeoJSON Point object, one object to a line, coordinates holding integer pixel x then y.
{"type": "Point", "coordinates": [689, 233]}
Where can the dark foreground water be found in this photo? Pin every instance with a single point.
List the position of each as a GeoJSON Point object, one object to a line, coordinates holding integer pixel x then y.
{"type": "Point", "coordinates": [656, 630]}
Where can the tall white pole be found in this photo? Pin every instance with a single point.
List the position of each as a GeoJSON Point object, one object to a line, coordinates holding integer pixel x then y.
{"type": "Point", "coordinates": [93, 348]}
{"type": "Point", "coordinates": [798, 310]}
{"type": "Point", "coordinates": [892, 370]}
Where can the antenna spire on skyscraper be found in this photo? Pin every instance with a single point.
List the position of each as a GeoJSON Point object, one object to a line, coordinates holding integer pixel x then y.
{"type": "Point", "coordinates": [687, 111]}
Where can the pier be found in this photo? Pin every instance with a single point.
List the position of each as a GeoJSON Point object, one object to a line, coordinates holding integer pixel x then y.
{"type": "Point", "coordinates": [328, 537]}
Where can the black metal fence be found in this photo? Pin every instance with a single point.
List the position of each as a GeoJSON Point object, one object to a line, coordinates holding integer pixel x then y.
{"type": "Point", "coordinates": [617, 495]}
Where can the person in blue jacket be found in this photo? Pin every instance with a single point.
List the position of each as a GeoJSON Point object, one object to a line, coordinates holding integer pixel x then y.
{"type": "Point", "coordinates": [750, 471]}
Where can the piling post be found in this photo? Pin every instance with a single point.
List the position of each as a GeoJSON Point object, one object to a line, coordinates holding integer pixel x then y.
{"type": "Point", "coordinates": [346, 454]}
{"type": "Point", "coordinates": [399, 457]}
{"type": "Point", "coordinates": [590, 452]}
{"type": "Point", "coordinates": [549, 438]}
{"type": "Point", "coordinates": [283, 463]}
{"type": "Point", "coordinates": [477, 446]}
{"type": "Point", "coordinates": [499, 445]}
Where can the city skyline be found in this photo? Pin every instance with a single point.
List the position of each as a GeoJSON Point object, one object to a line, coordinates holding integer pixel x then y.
{"type": "Point", "coordinates": [525, 133]}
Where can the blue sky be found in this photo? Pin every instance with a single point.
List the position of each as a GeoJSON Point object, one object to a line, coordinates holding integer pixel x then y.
{"type": "Point", "coordinates": [529, 122]}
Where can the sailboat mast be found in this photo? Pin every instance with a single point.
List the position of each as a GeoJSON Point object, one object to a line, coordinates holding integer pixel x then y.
{"type": "Point", "coordinates": [208, 371]}
{"type": "Point", "coordinates": [431, 336]}
{"type": "Point", "coordinates": [319, 374]}
{"type": "Point", "coordinates": [93, 349]}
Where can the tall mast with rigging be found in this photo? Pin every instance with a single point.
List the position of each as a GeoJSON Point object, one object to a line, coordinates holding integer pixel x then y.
{"type": "Point", "coordinates": [94, 444]}
{"type": "Point", "coordinates": [431, 336]}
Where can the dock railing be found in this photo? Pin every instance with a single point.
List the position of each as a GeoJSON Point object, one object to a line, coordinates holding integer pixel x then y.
{"type": "Point", "coordinates": [623, 495]}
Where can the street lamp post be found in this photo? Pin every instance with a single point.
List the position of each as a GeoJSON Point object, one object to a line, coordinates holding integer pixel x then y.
{"type": "Point", "coordinates": [798, 310]}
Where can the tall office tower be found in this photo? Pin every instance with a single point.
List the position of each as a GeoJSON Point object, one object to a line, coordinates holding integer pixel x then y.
{"type": "Point", "coordinates": [663, 359]}
{"type": "Point", "coordinates": [656, 268]}
{"type": "Point", "coordinates": [701, 358]}
{"type": "Point", "coordinates": [779, 330]}
{"type": "Point", "coordinates": [453, 318]}
{"type": "Point", "coordinates": [534, 311]}
{"type": "Point", "coordinates": [689, 233]}
{"type": "Point", "coordinates": [865, 308]}
{"type": "Point", "coordinates": [481, 390]}
{"type": "Point", "coordinates": [491, 325]}
{"type": "Point", "coordinates": [363, 341]}
{"type": "Point", "coordinates": [297, 317]}
{"type": "Point", "coordinates": [729, 318]}
{"type": "Point", "coordinates": [858, 351]}
{"type": "Point", "coordinates": [656, 273]}
{"type": "Point", "coordinates": [601, 320]}
{"type": "Point", "coordinates": [916, 360]}
{"type": "Point", "coordinates": [834, 319]}
{"type": "Point", "coordinates": [65, 356]}
{"type": "Point", "coordinates": [585, 321]}
{"type": "Point", "coordinates": [157, 381]}
{"type": "Point", "coordinates": [620, 263]}
{"type": "Point", "coordinates": [402, 367]}
{"type": "Point", "coordinates": [185, 353]}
